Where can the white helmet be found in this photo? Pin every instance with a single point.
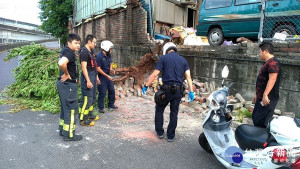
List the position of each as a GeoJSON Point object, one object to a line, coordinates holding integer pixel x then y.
{"type": "Point", "coordinates": [168, 46]}
{"type": "Point", "coordinates": [106, 45]}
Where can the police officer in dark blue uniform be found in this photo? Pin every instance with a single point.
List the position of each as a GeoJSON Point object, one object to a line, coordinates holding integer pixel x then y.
{"type": "Point", "coordinates": [104, 68]}
{"type": "Point", "coordinates": [173, 68]}
{"type": "Point", "coordinates": [67, 89]}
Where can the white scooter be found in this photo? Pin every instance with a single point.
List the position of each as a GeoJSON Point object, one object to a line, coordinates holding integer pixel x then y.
{"type": "Point", "coordinates": [249, 146]}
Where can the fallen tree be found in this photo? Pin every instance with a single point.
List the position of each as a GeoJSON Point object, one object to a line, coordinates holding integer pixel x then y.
{"type": "Point", "coordinates": [144, 67]}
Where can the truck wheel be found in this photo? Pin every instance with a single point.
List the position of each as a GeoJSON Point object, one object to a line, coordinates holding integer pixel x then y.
{"type": "Point", "coordinates": [285, 29]}
{"type": "Point", "coordinates": [204, 143]}
{"type": "Point", "coordinates": [215, 37]}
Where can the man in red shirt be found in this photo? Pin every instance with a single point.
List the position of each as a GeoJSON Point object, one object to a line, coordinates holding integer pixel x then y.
{"type": "Point", "coordinates": [267, 86]}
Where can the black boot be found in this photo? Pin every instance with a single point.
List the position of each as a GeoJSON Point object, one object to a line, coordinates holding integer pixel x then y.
{"type": "Point", "coordinates": [74, 138]}
{"type": "Point", "coordinates": [93, 117]}
{"type": "Point", "coordinates": [86, 122]}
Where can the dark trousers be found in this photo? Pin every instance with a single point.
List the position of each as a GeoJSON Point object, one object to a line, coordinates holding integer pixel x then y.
{"type": "Point", "coordinates": [262, 114]}
{"type": "Point", "coordinates": [174, 100]}
{"type": "Point", "coordinates": [88, 96]}
{"type": "Point", "coordinates": [69, 107]}
{"type": "Point", "coordinates": [106, 85]}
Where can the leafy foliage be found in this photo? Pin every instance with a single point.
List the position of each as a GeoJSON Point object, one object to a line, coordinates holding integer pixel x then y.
{"type": "Point", "coordinates": [35, 78]}
{"type": "Point", "coordinates": [243, 112]}
{"type": "Point", "coordinates": [54, 17]}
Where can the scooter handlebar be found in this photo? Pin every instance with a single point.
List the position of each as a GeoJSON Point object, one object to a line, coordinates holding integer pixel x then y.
{"type": "Point", "coordinates": [230, 84]}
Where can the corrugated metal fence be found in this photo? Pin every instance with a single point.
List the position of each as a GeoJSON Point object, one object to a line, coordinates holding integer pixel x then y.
{"type": "Point", "coordinates": [84, 9]}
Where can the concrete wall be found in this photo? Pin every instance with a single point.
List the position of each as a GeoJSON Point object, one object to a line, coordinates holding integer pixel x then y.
{"type": "Point", "coordinates": [244, 65]}
{"type": "Point", "coordinates": [207, 62]}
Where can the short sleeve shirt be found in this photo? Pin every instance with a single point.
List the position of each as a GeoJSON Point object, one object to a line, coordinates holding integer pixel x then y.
{"type": "Point", "coordinates": [271, 66]}
{"type": "Point", "coordinates": [89, 57]}
{"type": "Point", "coordinates": [173, 67]}
{"type": "Point", "coordinates": [72, 64]}
{"type": "Point", "coordinates": [103, 62]}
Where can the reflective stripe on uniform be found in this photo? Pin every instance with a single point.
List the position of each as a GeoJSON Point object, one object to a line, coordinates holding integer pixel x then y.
{"type": "Point", "coordinates": [72, 126]}
{"type": "Point", "coordinates": [91, 108]}
{"type": "Point", "coordinates": [61, 122]}
{"type": "Point", "coordinates": [66, 127]}
{"type": "Point", "coordinates": [83, 107]}
{"type": "Point", "coordinates": [86, 112]}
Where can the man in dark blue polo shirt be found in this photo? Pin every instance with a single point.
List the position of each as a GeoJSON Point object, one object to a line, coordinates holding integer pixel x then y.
{"type": "Point", "coordinates": [67, 89]}
{"type": "Point", "coordinates": [104, 68]}
{"type": "Point", "coordinates": [173, 68]}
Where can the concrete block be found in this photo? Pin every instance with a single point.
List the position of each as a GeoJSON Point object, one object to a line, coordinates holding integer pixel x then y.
{"type": "Point", "coordinates": [241, 99]}
{"type": "Point", "coordinates": [203, 90]}
{"type": "Point", "coordinates": [212, 86]}
{"type": "Point", "coordinates": [204, 106]}
{"type": "Point", "coordinates": [131, 89]}
{"type": "Point", "coordinates": [232, 101]}
{"type": "Point", "coordinates": [129, 93]}
{"type": "Point", "coordinates": [124, 92]}
{"type": "Point", "coordinates": [248, 104]}
{"type": "Point", "coordinates": [238, 106]}
{"type": "Point", "coordinates": [139, 92]}
{"type": "Point", "coordinates": [122, 95]}
{"type": "Point", "coordinates": [124, 87]}
{"type": "Point", "coordinates": [278, 112]}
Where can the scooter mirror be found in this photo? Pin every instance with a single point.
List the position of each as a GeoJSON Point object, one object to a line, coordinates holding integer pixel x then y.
{"type": "Point", "coordinates": [225, 72]}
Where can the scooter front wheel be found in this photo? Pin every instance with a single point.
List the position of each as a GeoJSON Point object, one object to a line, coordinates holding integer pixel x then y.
{"type": "Point", "coordinates": [204, 143]}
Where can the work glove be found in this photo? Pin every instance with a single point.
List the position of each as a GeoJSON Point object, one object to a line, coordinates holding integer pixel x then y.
{"type": "Point", "coordinates": [191, 96]}
{"type": "Point", "coordinates": [144, 90]}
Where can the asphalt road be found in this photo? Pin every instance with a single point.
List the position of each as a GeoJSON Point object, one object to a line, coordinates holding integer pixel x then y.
{"type": "Point", "coordinates": [121, 139]}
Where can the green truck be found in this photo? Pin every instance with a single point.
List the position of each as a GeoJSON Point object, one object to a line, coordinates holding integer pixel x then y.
{"type": "Point", "coordinates": [230, 19]}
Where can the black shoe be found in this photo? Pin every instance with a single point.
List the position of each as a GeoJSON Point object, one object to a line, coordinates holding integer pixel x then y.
{"type": "Point", "coordinates": [60, 133]}
{"type": "Point", "coordinates": [113, 108]}
{"type": "Point", "coordinates": [160, 136]}
{"type": "Point", "coordinates": [171, 140]}
{"type": "Point", "coordinates": [74, 138]}
{"type": "Point", "coordinates": [101, 111]}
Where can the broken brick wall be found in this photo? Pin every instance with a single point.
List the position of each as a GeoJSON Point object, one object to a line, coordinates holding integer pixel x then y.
{"type": "Point", "coordinates": [121, 26]}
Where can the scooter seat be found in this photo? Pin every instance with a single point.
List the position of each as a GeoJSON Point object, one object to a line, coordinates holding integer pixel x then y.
{"type": "Point", "coordinates": [251, 137]}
